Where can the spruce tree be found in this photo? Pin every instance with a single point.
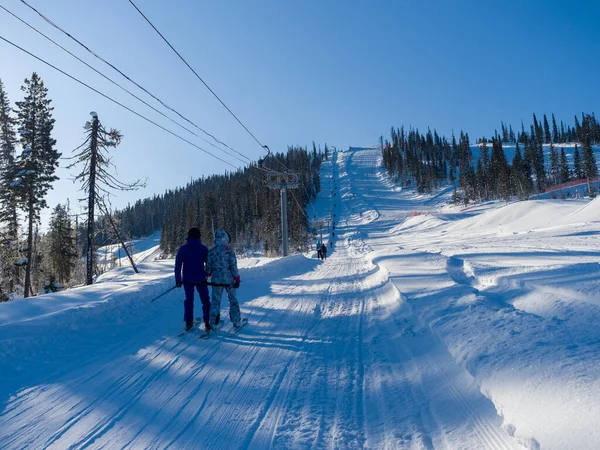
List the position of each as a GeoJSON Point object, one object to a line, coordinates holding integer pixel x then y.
{"type": "Point", "coordinates": [564, 167]}
{"type": "Point", "coordinates": [577, 168]}
{"type": "Point", "coordinates": [511, 134]}
{"type": "Point", "coordinates": [577, 130]}
{"type": "Point", "coordinates": [485, 170]}
{"type": "Point", "coordinates": [554, 165]}
{"type": "Point", "coordinates": [8, 195]}
{"type": "Point", "coordinates": [535, 152]}
{"type": "Point", "coordinates": [590, 169]}
{"type": "Point", "coordinates": [36, 165]}
{"type": "Point", "coordinates": [547, 135]}
{"type": "Point", "coordinates": [555, 136]}
{"type": "Point", "coordinates": [520, 178]}
{"type": "Point", "coordinates": [61, 245]}
{"type": "Point", "coordinates": [499, 170]}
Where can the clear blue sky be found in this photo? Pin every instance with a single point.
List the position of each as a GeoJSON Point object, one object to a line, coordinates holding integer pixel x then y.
{"type": "Point", "coordinates": [298, 71]}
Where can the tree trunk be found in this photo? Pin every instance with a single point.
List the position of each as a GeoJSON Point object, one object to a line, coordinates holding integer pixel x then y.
{"type": "Point", "coordinates": [29, 245]}
{"type": "Point", "coordinates": [91, 201]}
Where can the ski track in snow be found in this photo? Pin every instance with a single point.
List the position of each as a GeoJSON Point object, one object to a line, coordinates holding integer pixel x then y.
{"type": "Point", "coordinates": [382, 346]}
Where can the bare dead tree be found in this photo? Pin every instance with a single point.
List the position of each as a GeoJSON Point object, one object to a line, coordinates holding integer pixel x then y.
{"type": "Point", "coordinates": [95, 178]}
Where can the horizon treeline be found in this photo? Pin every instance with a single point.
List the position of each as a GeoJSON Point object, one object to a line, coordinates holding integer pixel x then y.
{"type": "Point", "coordinates": [425, 161]}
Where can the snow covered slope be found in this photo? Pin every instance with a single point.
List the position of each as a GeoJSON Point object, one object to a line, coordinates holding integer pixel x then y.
{"type": "Point", "coordinates": [452, 329]}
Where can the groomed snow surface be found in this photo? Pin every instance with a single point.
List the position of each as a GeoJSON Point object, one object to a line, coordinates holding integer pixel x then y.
{"type": "Point", "coordinates": [457, 328]}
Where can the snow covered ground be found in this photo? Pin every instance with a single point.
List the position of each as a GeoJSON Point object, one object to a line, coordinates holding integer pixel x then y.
{"type": "Point", "coordinates": [454, 329]}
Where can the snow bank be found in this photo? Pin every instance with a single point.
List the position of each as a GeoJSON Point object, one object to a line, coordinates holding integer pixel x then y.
{"type": "Point", "coordinates": [588, 213]}
{"type": "Point", "coordinates": [518, 217]}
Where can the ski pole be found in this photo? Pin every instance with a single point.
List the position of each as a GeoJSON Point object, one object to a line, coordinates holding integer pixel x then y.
{"type": "Point", "coordinates": [164, 293]}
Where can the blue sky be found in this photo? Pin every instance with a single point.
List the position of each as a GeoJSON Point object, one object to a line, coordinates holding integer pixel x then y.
{"type": "Point", "coordinates": [294, 72]}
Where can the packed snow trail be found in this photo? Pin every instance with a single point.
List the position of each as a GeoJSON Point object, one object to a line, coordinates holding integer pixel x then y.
{"type": "Point", "coordinates": [513, 294]}
{"type": "Point", "coordinates": [325, 363]}
{"type": "Point", "coordinates": [352, 352]}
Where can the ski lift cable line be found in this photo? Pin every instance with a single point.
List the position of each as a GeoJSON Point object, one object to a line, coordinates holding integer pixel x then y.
{"type": "Point", "coordinates": [121, 87]}
{"type": "Point", "coordinates": [199, 77]}
{"type": "Point", "coordinates": [265, 147]}
{"type": "Point", "coordinates": [118, 103]}
{"type": "Point", "coordinates": [133, 81]}
{"type": "Point", "coordinates": [299, 206]}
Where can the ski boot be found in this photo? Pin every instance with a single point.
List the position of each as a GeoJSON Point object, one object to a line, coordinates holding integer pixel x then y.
{"type": "Point", "coordinates": [189, 324]}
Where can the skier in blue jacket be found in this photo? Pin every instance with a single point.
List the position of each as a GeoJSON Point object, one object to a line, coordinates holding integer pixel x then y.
{"type": "Point", "coordinates": [192, 256]}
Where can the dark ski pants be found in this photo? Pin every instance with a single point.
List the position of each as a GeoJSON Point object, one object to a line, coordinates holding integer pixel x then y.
{"type": "Point", "coordinates": [188, 304]}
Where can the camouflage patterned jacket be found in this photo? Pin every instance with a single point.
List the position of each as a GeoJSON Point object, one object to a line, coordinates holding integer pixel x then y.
{"type": "Point", "coordinates": [222, 263]}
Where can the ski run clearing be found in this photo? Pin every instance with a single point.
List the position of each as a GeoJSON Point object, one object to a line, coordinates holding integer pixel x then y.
{"type": "Point", "coordinates": [447, 328]}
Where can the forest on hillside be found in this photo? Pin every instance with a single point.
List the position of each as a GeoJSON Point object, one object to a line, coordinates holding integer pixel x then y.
{"type": "Point", "coordinates": [240, 202]}
{"type": "Point", "coordinates": [425, 161]}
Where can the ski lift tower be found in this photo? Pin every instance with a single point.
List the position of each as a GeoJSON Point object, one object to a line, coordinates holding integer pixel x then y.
{"type": "Point", "coordinates": [283, 182]}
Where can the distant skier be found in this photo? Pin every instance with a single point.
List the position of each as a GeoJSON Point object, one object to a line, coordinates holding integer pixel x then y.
{"type": "Point", "coordinates": [221, 267]}
{"type": "Point", "coordinates": [192, 256]}
{"type": "Point", "coordinates": [324, 251]}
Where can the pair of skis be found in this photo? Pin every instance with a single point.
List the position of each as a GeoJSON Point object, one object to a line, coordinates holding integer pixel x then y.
{"type": "Point", "coordinates": [206, 334]}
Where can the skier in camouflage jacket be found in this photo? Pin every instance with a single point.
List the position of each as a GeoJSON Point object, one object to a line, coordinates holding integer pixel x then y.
{"type": "Point", "coordinates": [221, 267]}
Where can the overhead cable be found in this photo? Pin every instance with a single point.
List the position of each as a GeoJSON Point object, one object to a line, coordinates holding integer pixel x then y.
{"type": "Point", "coordinates": [198, 76]}
{"type": "Point", "coordinates": [116, 102]}
{"type": "Point", "coordinates": [121, 87]}
{"type": "Point", "coordinates": [206, 85]}
{"type": "Point", "coordinates": [131, 80]}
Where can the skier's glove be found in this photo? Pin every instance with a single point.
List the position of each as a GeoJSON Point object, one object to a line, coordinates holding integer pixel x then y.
{"type": "Point", "coordinates": [179, 284]}
{"type": "Point", "coordinates": [236, 282]}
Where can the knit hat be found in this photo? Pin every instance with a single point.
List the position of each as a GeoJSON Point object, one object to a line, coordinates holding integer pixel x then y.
{"type": "Point", "coordinates": [194, 233]}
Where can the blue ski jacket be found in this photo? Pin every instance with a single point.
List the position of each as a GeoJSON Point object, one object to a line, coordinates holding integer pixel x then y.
{"type": "Point", "coordinates": [192, 256]}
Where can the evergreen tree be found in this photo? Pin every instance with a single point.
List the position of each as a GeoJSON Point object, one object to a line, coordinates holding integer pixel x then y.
{"type": "Point", "coordinates": [511, 134]}
{"type": "Point", "coordinates": [500, 171]}
{"type": "Point", "coordinates": [535, 152]}
{"type": "Point", "coordinates": [590, 169]}
{"type": "Point", "coordinates": [36, 165]}
{"type": "Point", "coordinates": [547, 135]}
{"type": "Point", "coordinates": [479, 181]}
{"type": "Point", "coordinates": [577, 168]}
{"type": "Point", "coordinates": [8, 196]}
{"type": "Point", "coordinates": [520, 178]}
{"type": "Point", "coordinates": [62, 249]}
{"type": "Point", "coordinates": [577, 131]}
{"type": "Point", "coordinates": [485, 170]}
{"type": "Point", "coordinates": [564, 167]}
{"type": "Point", "coordinates": [555, 135]}
{"type": "Point", "coordinates": [554, 165]}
